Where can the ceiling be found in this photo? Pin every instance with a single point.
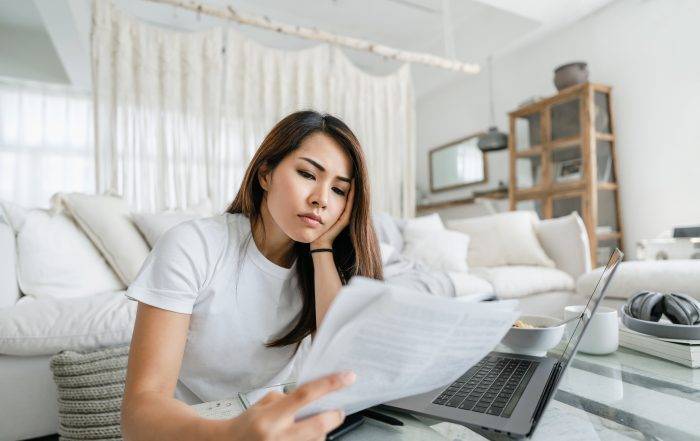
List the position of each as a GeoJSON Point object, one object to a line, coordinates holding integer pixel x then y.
{"type": "Point", "coordinates": [480, 27]}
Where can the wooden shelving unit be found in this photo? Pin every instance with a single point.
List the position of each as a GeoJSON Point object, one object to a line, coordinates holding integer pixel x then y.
{"type": "Point", "coordinates": [562, 159]}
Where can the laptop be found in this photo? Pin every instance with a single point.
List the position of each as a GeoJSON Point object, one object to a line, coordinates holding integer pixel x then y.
{"type": "Point", "coordinates": [507, 393]}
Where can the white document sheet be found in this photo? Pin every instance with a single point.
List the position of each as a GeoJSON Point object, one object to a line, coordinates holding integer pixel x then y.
{"type": "Point", "coordinates": [398, 342]}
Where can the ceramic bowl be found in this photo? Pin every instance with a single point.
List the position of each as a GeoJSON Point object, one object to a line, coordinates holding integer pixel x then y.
{"type": "Point", "coordinates": [536, 341]}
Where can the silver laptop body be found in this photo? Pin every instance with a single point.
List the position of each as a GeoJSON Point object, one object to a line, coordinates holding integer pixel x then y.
{"type": "Point", "coordinates": [537, 380]}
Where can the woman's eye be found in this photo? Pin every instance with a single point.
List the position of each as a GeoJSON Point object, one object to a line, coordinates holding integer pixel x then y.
{"type": "Point", "coordinates": [339, 191]}
{"type": "Point", "coordinates": [306, 175]}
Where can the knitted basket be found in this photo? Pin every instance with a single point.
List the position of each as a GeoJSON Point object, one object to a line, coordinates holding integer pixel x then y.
{"type": "Point", "coordinates": [90, 390]}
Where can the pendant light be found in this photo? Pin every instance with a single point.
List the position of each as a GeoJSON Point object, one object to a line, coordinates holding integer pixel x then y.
{"type": "Point", "coordinates": [493, 140]}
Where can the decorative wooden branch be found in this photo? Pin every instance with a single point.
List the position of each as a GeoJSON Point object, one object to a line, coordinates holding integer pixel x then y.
{"type": "Point", "coordinates": [315, 34]}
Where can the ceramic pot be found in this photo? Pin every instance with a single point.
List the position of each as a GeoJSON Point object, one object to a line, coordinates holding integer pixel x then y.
{"type": "Point", "coordinates": [570, 74]}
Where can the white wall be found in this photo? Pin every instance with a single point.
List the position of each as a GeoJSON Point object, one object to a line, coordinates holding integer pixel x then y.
{"type": "Point", "coordinates": [647, 50]}
{"type": "Point", "coordinates": [29, 54]}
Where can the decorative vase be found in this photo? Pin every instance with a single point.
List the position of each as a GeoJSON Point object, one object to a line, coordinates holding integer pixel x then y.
{"type": "Point", "coordinates": [570, 74]}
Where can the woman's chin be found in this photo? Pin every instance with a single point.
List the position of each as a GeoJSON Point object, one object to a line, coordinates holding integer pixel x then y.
{"type": "Point", "coordinates": [304, 236]}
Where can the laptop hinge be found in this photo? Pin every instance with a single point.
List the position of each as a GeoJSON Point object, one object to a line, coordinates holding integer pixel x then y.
{"type": "Point", "coordinates": [544, 398]}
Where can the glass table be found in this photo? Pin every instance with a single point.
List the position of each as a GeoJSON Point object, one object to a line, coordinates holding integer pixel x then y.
{"type": "Point", "coordinates": [623, 396]}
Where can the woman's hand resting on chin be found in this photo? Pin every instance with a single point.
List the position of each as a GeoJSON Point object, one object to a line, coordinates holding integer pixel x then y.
{"type": "Point", "coordinates": [326, 239]}
{"type": "Point", "coordinates": [272, 418]}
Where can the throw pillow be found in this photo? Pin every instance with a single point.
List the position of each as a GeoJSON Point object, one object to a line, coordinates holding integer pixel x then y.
{"type": "Point", "coordinates": [46, 326]}
{"type": "Point", "coordinates": [55, 258]}
{"type": "Point", "coordinates": [387, 229]}
{"type": "Point", "coordinates": [429, 222]}
{"type": "Point", "coordinates": [387, 252]}
{"type": "Point", "coordinates": [429, 242]}
{"type": "Point", "coordinates": [107, 221]}
{"type": "Point", "coordinates": [502, 239]}
{"type": "Point", "coordinates": [152, 226]}
{"type": "Point", "coordinates": [565, 240]}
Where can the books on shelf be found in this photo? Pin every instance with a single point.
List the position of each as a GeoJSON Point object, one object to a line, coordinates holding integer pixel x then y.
{"type": "Point", "coordinates": [685, 352]}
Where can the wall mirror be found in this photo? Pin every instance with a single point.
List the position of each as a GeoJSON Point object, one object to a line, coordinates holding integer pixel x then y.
{"type": "Point", "coordinates": [457, 164]}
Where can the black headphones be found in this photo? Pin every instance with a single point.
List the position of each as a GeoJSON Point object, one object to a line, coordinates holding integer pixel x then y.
{"type": "Point", "coordinates": [681, 309]}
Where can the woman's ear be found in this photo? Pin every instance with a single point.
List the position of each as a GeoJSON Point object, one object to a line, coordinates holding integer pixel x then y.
{"type": "Point", "coordinates": [264, 177]}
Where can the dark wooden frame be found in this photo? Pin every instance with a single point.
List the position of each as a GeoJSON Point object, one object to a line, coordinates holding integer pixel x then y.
{"type": "Point", "coordinates": [450, 144]}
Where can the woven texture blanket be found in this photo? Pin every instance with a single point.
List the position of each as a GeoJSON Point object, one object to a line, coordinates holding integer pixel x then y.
{"type": "Point", "coordinates": [90, 390]}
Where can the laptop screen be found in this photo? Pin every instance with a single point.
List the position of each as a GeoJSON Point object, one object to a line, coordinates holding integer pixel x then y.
{"type": "Point", "coordinates": [593, 301]}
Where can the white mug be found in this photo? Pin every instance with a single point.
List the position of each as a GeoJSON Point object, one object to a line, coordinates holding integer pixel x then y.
{"type": "Point", "coordinates": [602, 332]}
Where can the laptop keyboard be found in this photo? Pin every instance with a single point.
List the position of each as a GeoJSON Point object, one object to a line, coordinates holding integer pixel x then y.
{"type": "Point", "coordinates": [493, 386]}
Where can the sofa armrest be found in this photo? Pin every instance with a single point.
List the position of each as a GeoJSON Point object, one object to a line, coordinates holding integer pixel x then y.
{"type": "Point", "coordinates": [565, 241]}
{"type": "Point", "coordinates": [9, 290]}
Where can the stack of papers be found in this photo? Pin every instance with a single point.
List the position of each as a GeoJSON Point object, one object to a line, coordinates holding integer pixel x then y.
{"type": "Point", "coordinates": [685, 352]}
{"type": "Point", "coordinates": [399, 343]}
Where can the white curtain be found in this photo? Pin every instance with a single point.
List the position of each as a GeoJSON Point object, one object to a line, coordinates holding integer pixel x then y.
{"type": "Point", "coordinates": [213, 111]}
{"type": "Point", "coordinates": [380, 110]}
{"type": "Point", "coordinates": [45, 141]}
{"type": "Point", "coordinates": [157, 107]}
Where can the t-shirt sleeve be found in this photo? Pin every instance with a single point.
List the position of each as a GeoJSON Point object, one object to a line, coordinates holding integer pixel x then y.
{"type": "Point", "coordinates": [178, 267]}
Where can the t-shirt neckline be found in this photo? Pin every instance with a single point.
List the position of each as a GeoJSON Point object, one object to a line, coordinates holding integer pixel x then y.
{"type": "Point", "coordinates": [259, 258]}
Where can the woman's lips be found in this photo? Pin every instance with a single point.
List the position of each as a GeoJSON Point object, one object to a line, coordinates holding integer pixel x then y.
{"type": "Point", "coordinates": [310, 222]}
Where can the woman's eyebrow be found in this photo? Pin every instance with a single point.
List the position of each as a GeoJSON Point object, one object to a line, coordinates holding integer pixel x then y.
{"type": "Point", "coordinates": [320, 167]}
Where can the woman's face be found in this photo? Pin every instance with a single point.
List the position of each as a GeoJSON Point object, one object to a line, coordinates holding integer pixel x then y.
{"type": "Point", "coordinates": [312, 180]}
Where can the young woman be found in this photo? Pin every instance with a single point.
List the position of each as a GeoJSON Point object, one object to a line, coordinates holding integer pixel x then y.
{"type": "Point", "coordinates": [229, 303]}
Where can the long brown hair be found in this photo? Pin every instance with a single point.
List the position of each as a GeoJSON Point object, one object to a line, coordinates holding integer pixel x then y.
{"type": "Point", "coordinates": [355, 250]}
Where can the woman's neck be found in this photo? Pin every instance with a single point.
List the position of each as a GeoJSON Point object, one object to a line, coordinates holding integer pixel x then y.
{"type": "Point", "coordinates": [272, 242]}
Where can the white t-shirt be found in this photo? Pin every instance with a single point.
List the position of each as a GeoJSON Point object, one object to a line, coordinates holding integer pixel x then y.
{"type": "Point", "coordinates": [194, 269]}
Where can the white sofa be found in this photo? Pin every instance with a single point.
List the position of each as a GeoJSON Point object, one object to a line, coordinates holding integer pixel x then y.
{"type": "Point", "coordinates": [32, 329]}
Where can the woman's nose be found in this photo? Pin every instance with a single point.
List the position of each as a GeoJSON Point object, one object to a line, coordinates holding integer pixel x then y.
{"type": "Point", "coordinates": [320, 198]}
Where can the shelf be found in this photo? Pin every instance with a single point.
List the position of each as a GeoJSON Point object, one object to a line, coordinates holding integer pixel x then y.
{"type": "Point", "coordinates": [609, 236]}
{"type": "Point", "coordinates": [608, 186]}
{"type": "Point", "coordinates": [561, 143]}
{"type": "Point", "coordinates": [604, 136]}
{"type": "Point", "coordinates": [533, 151]}
{"type": "Point", "coordinates": [566, 187]}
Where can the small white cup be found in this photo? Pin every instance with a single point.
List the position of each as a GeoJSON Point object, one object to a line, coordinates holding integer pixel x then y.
{"type": "Point", "coordinates": [602, 335]}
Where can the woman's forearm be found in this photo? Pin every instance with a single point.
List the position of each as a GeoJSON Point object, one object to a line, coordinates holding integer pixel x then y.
{"type": "Point", "coordinates": [326, 282]}
{"type": "Point", "coordinates": [151, 416]}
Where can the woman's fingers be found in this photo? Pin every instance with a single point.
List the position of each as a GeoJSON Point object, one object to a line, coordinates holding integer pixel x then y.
{"type": "Point", "coordinates": [270, 397]}
{"type": "Point", "coordinates": [312, 391]}
{"type": "Point", "coordinates": [315, 427]}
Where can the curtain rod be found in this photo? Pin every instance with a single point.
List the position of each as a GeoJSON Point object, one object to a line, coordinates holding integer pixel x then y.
{"type": "Point", "coordinates": [315, 34]}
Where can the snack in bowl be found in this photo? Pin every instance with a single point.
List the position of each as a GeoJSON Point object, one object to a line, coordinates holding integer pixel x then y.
{"type": "Point", "coordinates": [523, 325]}
{"type": "Point", "coordinates": [534, 335]}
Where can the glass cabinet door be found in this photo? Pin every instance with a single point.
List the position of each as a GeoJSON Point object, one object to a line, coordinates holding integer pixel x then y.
{"type": "Point", "coordinates": [565, 119]}
{"type": "Point", "coordinates": [528, 132]}
{"type": "Point", "coordinates": [602, 112]}
{"type": "Point", "coordinates": [567, 164]}
{"type": "Point", "coordinates": [604, 162]}
{"type": "Point", "coordinates": [564, 205]}
{"type": "Point", "coordinates": [528, 172]}
{"type": "Point", "coordinates": [607, 212]}
{"type": "Point", "coordinates": [536, 205]}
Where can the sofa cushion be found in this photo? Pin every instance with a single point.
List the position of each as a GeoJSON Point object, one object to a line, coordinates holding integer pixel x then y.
{"type": "Point", "coordinates": [9, 290]}
{"type": "Point", "coordinates": [55, 258]}
{"type": "Point", "coordinates": [48, 325]}
{"type": "Point", "coordinates": [502, 239]}
{"type": "Point", "coordinates": [467, 284]}
{"type": "Point", "coordinates": [387, 229]}
{"type": "Point", "coordinates": [665, 276]}
{"type": "Point", "coordinates": [106, 219]}
{"type": "Point", "coordinates": [516, 281]}
{"type": "Point", "coordinates": [565, 240]}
